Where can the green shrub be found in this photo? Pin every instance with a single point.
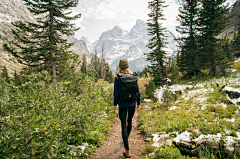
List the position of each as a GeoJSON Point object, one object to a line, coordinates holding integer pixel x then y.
{"type": "Point", "coordinates": [167, 152]}
{"type": "Point", "coordinates": [150, 89]}
{"type": "Point", "coordinates": [42, 120]}
{"type": "Point", "coordinates": [169, 96]}
{"type": "Point", "coordinates": [237, 66]}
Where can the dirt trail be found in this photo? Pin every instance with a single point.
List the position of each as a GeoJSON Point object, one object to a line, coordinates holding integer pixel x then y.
{"type": "Point", "coordinates": [112, 147]}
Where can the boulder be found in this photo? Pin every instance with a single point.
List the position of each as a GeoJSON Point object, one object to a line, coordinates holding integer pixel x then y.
{"type": "Point", "coordinates": [147, 101]}
{"type": "Point", "coordinates": [156, 145]}
{"type": "Point", "coordinates": [233, 94]}
{"type": "Point", "coordinates": [195, 151]}
{"type": "Point", "coordinates": [168, 142]}
{"type": "Point", "coordinates": [185, 144]}
{"type": "Point", "coordinates": [148, 139]}
{"type": "Point", "coordinates": [196, 131]}
{"type": "Point", "coordinates": [229, 150]}
{"type": "Point", "coordinates": [201, 142]}
{"type": "Point", "coordinates": [212, 144]}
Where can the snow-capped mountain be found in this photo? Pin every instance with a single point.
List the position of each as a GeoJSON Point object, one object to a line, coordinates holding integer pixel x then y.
{"type": "Point", "coordinates": [87, 43]}
{"type": "Point", "coordinates": [119, 44]}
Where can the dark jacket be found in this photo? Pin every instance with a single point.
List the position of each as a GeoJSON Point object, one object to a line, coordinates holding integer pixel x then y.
{"type": "Point", "coordinates": [117, 96]}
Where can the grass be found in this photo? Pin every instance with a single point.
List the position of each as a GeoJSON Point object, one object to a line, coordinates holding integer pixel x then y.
{"type": "Point", "coordinates": [142, 82]}
{"type": "Point", "coordinates": [205, 108]}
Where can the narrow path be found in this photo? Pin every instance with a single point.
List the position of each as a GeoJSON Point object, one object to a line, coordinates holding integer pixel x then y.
{"type": "Point", "coordinates": [112, 147]}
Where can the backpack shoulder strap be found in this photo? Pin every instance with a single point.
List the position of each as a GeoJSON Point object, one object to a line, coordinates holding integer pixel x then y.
{"type": "Point", "coordinates": [119, 75]}
{"type": "Point", "coordinates": [134, 73]}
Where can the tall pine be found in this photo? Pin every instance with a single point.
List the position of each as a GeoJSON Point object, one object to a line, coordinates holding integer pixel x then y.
{"type": "Point", "coordinates": [157, 55]}
{"type": "Point", "coordinates": [5, 74]}
{"type": "Point", "coordinates": [41, 44]}
{"type": "Point", "coordinates": [213, 19]}
{"type": "Point", "coordinates": [236, 40]}
{"type": "Point", "coordinates": [188, 18]}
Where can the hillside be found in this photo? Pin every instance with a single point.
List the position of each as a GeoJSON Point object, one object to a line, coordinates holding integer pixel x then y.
{"type": "Point", "coordinates": [202, 119]}
{"type": "Point", "coordinates": [14, 10]}
{"type": "Point", "coordinates": [232, 27]}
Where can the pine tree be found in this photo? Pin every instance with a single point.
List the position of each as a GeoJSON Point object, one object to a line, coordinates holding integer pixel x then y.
{"type": "Point", "coordinates": [41, 44]}
{"type": "Point", "coordinates": [188, 18]}
{"type": "Point", "coordinates": [236, 41]}
{"type": "Point", "coordinates": [157, 41]}
{"type": "Point", "coordinates": [227, 48]}
{"type": "Point", "coordinates": [84, 64]}
{"type": "Point", "coordinates": [5, 73]}
{"type": "Point", "coordinates": [109, 74]}
{"type": "Point", "coordinates": [102, 61]}
{"type": "Point", "coordinates": [213, 19]}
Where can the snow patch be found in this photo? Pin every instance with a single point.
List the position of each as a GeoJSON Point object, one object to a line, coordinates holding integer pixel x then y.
{"type": "Point", "coordinates": [214, 137]}
{"type": "Point", "coordinates": [173, 108]}
{"type": "Point", "coordinates": [185, 136]}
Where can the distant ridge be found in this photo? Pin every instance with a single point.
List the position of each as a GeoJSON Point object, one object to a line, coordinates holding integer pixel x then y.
{"type": "Point", "coordinates": [14, 10]}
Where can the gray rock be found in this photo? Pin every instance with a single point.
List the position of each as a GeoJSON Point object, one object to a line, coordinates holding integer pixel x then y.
{"type": "Point", "coordinates": [229, 150]}
{"type": "Point", "coordinates": [212, 144]}
{"type": "Point", "coordinates": [193, 146]}
{"type": "Point", "coordinates": [201, 142]}
{"type": "Point", "coordinates": [148, 139]}
{"type": "Point", "coordinates": [162, 139]}
{"type": "Point", "coordinates": [196, 131]}
{"type": "Point", "coordinates": [195, 151]}
{"type": "Point", "coordinates": [185, 144]}
{"type": "Point", "coordinates": [168, 142]}
{"type": "Point", "coordinates": [156, 145]}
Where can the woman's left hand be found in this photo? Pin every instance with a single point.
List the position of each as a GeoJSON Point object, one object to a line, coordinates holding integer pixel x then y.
{"type": "Point", "coordinates": [115, 108]}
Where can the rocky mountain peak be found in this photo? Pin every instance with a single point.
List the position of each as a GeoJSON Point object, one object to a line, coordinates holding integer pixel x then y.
{"type": "Point", "coordinates": [139, 30]}
{"type": "Point", "coordinates": [118, 32]}
{"type": "Point", "coordinates": [87, 43]}
{"type": "Point", "coordinates": [140, 22]}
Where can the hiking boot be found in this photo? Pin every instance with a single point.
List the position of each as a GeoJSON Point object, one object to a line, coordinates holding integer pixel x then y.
{"type": "Point", "coordinates": [127, 153]}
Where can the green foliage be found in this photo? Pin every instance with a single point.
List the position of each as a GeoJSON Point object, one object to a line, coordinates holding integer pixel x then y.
{"type": "Point", "coordinates": [228, 48]}
{"type": "Point", "coordinates": [157, 42]}
{"type": "Point", "coordinates": [169, 96]}
{"type": "Point", "coordinates": [42, 120]}
{"type": "Point", "coordinates": [150, 89]}
{"type": "Point", "coordinates": [84, 64]}
{"type": "Point", "coordinates": [167, 152]}
{"type": "Point", "coordinates": [40, 44]}
{"type": "Point", "coordinates": [188, 18]}
{"type": "Point", "coordinates": [236, 43]}
{"type": "Point", "coordinates": [5, 74]}
{"type": "Point", "coordinates": [95, 71]}
{"type": "Point", "coordinates": [212, 21]}
{"type": "Point", "coordinates": [205, 72]}
{"type": "Point", "coordinates": [237, 66]}
{"type": "Point", "coordinates": [206, 153]}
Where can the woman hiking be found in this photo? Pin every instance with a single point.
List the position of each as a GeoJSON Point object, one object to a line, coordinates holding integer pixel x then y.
{"type": "Point", "coordinates": [127, 108]}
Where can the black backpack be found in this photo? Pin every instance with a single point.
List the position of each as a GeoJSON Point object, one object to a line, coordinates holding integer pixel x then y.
{"type": "Point", "coordinates": [128, 87]}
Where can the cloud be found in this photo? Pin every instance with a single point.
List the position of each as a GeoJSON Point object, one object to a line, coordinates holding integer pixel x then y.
{"type": "Point", "coordinates": [100, 15]}
{"type": "Point", "coordinates": [120, 11]}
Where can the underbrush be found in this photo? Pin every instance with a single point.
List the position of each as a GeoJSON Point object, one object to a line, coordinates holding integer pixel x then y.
{"type": "Point", "coordinates": [42, 120]}
{"type": "Point", "coordinates": [166, 152]}
{"type": "Point", "coordinates": [206, 109]}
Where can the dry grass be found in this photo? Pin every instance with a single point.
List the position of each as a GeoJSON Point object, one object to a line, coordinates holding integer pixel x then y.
{"type": "Point", "coordinates": [142, 82]}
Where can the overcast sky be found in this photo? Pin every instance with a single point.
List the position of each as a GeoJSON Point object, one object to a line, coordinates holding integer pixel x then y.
{"type": "Point", "coordinates": [100, 15]}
